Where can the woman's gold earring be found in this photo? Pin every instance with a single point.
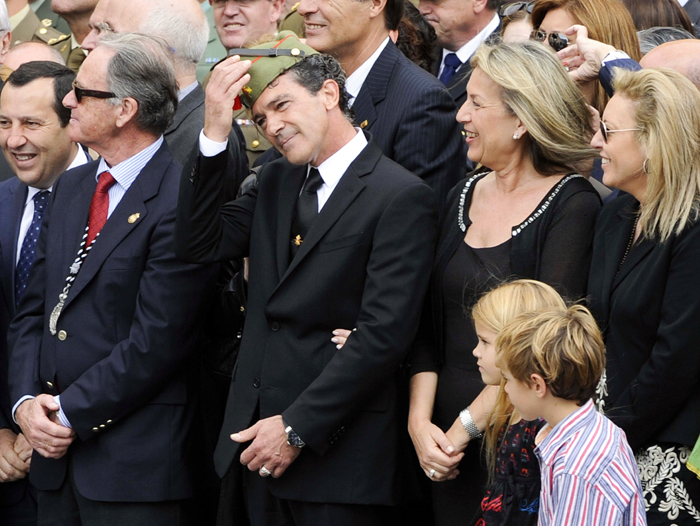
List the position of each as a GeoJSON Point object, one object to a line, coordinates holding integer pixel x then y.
{"type": "Point", "coordinates": [645, 167]}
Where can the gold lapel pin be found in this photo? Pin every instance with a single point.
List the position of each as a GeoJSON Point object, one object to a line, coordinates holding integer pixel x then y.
{"type": "Point", "coordinates": [133, 218]}
{"type": "Point", "coordinates": [363, 124]}
{"type": "Point", "coordinates": [298, 240]}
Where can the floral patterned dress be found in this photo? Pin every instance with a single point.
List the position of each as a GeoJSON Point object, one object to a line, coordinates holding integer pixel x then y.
{"type": "Point", "coordinates": [514, 496]}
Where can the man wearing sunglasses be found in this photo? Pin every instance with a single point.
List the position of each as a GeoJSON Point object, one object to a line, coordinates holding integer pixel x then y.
{"type": "Point", "coordinates": [104, 332]}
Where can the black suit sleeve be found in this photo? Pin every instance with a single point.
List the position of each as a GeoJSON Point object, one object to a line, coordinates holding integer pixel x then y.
{"type": "Point", "coordinates": [206, 230]}
{"type": "Point", "coordinates": [670, 375]}
{"type": "Point", "coordinates": [397, 277]}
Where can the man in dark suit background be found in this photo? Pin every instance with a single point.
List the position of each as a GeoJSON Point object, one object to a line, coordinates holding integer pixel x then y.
{"type": "Point", "coordinates": [35, 140]}
{"type": "Point", "coordinates": [460, 27]}
{"type": "Point", "coordinates": [100, 345]}
{"type": "Point", "coordinates": [408, 112]}
{"type": "Point", "coordinates": [183, 25]}
{"type": "Point", "coordinates": [349, 245]}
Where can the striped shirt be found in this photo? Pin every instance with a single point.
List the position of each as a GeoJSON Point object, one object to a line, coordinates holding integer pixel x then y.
{"type": "Point", "coordinates": [589, 476]}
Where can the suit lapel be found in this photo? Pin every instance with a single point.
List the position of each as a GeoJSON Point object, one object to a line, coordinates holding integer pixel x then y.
{"type": "Point", "coordinates": [118, 225]}
{"type": "Point", "coordinates": [349, 187]}
{"type": "Point", "coordinates": [289, 192]}
{"type": "Point", "coordinates": [374, 87]}
{"type": "Point", "coordinates": [11, 207]}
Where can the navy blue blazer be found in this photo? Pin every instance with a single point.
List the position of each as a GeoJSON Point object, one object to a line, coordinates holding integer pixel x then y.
{"type": "Point", "coordinates": [412, 118]}
{"type": "Point", "coordinates": [13, 194]}
{"type": "Point", "coordinates": [119, 358]}
{"type": "Point", "coordinates": [606, 73]}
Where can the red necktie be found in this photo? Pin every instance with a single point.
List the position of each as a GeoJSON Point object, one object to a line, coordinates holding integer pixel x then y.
{"type": "Point", "coordinates": [99, 206]}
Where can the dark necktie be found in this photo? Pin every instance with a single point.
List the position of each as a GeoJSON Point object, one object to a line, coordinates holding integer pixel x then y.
{"type": "Point", "coordinates": [452, 64]}
{"type": "Point", "coordinates": [27, 253]}
{"type": "Point", "coordinates": [306, 210]}
{"type": "Point", "coordinates": [99, 206]}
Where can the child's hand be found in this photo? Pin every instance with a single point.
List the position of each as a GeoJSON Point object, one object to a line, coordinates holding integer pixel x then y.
{"type": "Point", "coordinates": [458, 435]}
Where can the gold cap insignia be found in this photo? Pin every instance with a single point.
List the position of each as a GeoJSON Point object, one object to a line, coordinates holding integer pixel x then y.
{"type": "Point", "coordinates": [133, 218]}
{"type": "Point", "coordinates": [248, 90]}
{"type": "Point", "coordinates": [295, 52]}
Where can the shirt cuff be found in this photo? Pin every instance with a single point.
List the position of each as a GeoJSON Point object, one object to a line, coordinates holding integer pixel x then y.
{"type": "Point", "coordinates": [614, 55]}
{"type": "Point", "coordinates": [19, 402]}
{"type": "Point", "coordinates": [210, 148]}
{"type": "Point", "coordinates": [62, 418]}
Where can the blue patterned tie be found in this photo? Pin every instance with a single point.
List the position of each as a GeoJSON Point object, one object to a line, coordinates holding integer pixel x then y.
{"type": "Point", "coordinates": [28, 251]}
{"type": "Point", "coordinates": [452, 64]}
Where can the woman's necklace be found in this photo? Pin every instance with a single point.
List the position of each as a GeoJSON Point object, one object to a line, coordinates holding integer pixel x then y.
{"type": "Point", "coordinates": [629, 244]}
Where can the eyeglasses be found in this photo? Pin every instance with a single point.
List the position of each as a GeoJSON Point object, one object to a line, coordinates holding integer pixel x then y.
{"type": "Point", "coordinates": [80, 93]}
{"type": "Point", "coordinates": [604, 130]}
{"type": "Point", "coordinates": [557, 41]}
{"type": "Point", "coordinates": [511, 9]}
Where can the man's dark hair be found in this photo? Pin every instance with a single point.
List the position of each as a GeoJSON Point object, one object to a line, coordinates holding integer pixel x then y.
{"type": "Point", "coordinates": [314, 70]}
{"type": "Point", "coordinates": [393, 13]}
{"type": "Point", "coordinates": [62, 77]}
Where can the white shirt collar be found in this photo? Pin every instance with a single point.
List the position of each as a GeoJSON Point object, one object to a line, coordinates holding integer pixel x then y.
{"type": "Point", "coordinates": [79, 160]}
{"type": "Point", "coordinates": [354, 82]}
{"type": "Point", "coordinates": [333, 168]}
{"type": "Point", "coordinates": [467, 50]}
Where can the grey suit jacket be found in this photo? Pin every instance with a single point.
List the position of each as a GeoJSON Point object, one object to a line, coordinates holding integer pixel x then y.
{"type": "Point", "coordinates": [183, 134]}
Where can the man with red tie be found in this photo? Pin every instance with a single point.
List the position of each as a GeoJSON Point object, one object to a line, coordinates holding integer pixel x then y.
{"type": "Point", "coordinates": [100, 346]}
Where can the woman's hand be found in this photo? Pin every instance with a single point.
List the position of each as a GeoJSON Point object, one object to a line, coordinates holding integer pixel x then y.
{"type": "Point", "coordinates": [585, 57]}
{"type": "Point", "coordinates": [340, 336]}
{"type": "Point", "coordinates": [436, 453]}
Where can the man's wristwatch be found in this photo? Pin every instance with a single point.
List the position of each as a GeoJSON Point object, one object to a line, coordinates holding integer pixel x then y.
{"type": "Point", "coordinates": [468, 422]}
{"type": "Point", "coordinates": [292, 438]}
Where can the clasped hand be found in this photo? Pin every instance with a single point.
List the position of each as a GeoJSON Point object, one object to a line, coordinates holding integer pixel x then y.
{"type": "Point", "coordinates": [37, 418]}
{"type": "Point", "coordinates": [269, 447]}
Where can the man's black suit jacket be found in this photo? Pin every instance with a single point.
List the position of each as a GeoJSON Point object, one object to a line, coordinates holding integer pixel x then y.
{"type": "Point", "coordinates": [125, 333]}
{"type": "Point", "coordinates": [365, 264]}
{"type": "Point", "coordinates": [412, 119]}
{"type": "Point", "coordinates": [13, 194]}
{"type": "Point", "coordinates": [692, 7]}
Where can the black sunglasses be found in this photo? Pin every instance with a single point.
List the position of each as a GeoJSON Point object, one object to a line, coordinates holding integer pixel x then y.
{"type": "Point", "coordinates": [80, 93]}
{"type": "Point", "coordinates": [557, 41]}
{"type": "Point", "coordinates": [604, 130]}
{"type": "Point", "coordinates": [511, 9]}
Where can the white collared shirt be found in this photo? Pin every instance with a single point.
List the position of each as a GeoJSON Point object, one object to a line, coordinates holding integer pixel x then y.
{"type": "Point", "coordinates": [333, 168]}
{"type": "Point", "coordinates": [467, 50]}
{"type": "Point", "coordinates": [354, 82]}
{"type": "Point", "coordinates": [28, 214]}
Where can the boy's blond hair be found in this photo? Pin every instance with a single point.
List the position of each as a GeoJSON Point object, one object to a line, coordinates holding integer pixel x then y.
{"type": "Point", "coordinates": [563, 346]}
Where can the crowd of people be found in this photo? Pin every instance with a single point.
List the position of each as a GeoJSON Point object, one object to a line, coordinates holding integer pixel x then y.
{"type": "Point", "coordinates": [349, 262]}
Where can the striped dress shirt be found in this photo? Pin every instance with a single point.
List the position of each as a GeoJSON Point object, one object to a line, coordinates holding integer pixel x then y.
{"type": "Point", "coordinates": [589, 475]}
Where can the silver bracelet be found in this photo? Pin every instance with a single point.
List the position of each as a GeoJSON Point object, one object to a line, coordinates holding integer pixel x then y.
{"type": "Point", "coordinates": [468, 422]}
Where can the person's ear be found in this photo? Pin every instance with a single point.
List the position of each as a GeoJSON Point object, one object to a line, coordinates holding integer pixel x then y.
{"type": "Point", "coordinates": [538, 385]}
{"type": "Point", "coordinates": [479, 6]}
{"type": "Point", "coordinates": [377, 8]}
{"type": "Point", "coordinates": [331, 94]}
{"type": "Point", "coordinates": [5, 46]}
{"type": "Point", "coordinates": [127, 111]}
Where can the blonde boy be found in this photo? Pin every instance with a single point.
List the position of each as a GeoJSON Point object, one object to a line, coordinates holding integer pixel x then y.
{"type": "Point", "coordinates": [551, 362]}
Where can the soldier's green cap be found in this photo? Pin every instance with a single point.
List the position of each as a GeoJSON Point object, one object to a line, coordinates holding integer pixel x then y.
{"type": "Point", "coordinates": [269, 61]}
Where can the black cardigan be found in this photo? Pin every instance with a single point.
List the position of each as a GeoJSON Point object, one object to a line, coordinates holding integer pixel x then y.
{"type": "Point", "coordinates": [553, 245]}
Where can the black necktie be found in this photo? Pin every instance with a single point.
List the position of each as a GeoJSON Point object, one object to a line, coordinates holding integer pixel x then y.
{"type": "Point", "coordinates": [452, 64]}
{"type": "Point", "coordinates": [306, 210]}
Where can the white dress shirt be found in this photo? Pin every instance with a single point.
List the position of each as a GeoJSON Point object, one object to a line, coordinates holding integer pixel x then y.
{"type": "Point", "coordinates": [467, 50]}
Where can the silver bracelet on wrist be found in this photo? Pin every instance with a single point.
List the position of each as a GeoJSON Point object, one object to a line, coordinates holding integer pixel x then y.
{"type": "Point", "coordinates": [468, 422]}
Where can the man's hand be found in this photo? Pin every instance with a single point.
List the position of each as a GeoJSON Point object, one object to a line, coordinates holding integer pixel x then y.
{"type": "Point", "coordinates": [23, 449]}
{"type": "Point", "coordinates": [269, 447]}
{"type": "Point", "coordinates": [12, 467]}
{"type": "Point", "coordinates": [227, 80]}
{"type": "Point", "coordinates": [49, 439]}
{"type": "Point", "coordinates": [585, 57]}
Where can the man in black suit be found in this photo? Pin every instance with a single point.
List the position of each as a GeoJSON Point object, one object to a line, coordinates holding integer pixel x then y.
{"type": "Point", "coordinates": [35, 140]}
{"type": "Point", "coordinates": [692, 7]}
{"type": "Point", "coordinates": [183, 25]}
{"type": "Point", "coordinates": [461, 27]}
{"type": "Point", "coordinates": [408, 112]}
{"type": "Point", "coordinates": [349, 245]}
{"type": "Point", "coordinates": [100, 345]}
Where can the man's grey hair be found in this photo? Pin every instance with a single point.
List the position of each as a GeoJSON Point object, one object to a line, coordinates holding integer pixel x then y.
{"type": "Point", "coordinates": [655, 36]}
{"type": "Point", "coordinates": [5, 26]}
{"type": "Point", "coordinates": [142, 69]}
{"type": "Point", "coordinates": [186, 31]}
